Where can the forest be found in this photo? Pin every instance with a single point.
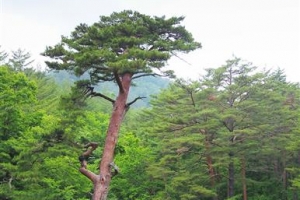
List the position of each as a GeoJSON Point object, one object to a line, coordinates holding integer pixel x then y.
{"type": "Point", "coordinates": [232, 134]}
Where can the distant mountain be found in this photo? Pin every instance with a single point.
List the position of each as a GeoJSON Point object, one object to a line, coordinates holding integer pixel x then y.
{"type": "Point", "coordinates": [142, 87]}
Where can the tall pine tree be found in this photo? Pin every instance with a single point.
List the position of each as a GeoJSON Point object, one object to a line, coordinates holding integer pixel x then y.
{"type": "Point", "coordinates": [119, 48]}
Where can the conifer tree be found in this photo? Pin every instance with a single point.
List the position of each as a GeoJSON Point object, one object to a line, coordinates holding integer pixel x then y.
{"type": "Point", "coordinates": [3, 57]}
{"type": "Point", "coordinates": [20, 59]}
{"type": "Point", "coordinates": [119, 48]}
{"type": "Point", "coordinates": [240, 120]}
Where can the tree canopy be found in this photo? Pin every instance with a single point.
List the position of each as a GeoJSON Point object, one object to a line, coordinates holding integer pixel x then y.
{"type": "Point", "coordinates": [119, 48]}
{"type": "Point", "coordinates": [122, 42]}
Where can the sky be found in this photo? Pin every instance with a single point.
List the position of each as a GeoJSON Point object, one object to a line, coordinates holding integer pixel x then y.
{"type": "Point", "coordinates": [264, 32]}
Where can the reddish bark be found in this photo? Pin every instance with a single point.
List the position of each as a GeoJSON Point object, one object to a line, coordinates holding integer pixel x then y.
{"type": "Point", "coordinates": [119, 110]}
{"type": "Point", "coordinates": [211, 170]}
{"type": "Point", "coordinates": [101, 182]}
{"type": "Point", "coordinates": [210, 165]}
{"type": "Point", "coordinates": [209, 160]}
{"type": "Point", "coordinates": [83, 161]}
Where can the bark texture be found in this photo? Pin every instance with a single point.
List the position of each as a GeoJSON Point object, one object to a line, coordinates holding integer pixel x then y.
{"type": "Point", "coordinates": [101, 185]}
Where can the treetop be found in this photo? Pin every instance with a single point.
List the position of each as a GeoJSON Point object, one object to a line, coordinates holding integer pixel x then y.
{"type": "Point", "coordinates": [124, 42]}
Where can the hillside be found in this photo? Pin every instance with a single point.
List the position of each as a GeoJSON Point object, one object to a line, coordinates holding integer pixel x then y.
{"type": "Point", "coordinates": [143, 87]}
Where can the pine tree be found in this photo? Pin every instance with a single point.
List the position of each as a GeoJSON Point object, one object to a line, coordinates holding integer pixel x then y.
{"type": "Point", "coordinates": [20, 59]}
{"type": "Point", "coordinates": [119, 48]}
{"type": "Point", "coordinates": [239, 119]}
{"type": "Point", "coordinates": [3, 57]}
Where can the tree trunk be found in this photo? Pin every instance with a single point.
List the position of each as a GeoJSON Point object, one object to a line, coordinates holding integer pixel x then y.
{"type": "Point", "coordinates": [209, 163]}
{"type": "Point", "coordinates": [243, 162]}
{"type": "Point", "coordinates": [211, 170]}
{"type": "Point", "coordinates": [101, 185]}
{"type": "Point", "coordinates": [212, 174]}
{"type": "Point", "coordinates": [230, 176]}
{"type": "Point", "coordinates": [284, 176]}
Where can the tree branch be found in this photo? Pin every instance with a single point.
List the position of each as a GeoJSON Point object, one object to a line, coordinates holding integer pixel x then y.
{"type": "Point", "coordinates": [118, 80]}
{"type": "Point", "coordinates": [142, 75]}
{"type": "Point", "coordinates": [115, 169]}
{"type": "Point", "coordinates": [9, 182]}
{"type": "Point", "coordinates": [96, 94]}
{"type": "Point", "coordinates": [89, 92]}
{"type": "Point", "coordinates": [174, 54]}
{"type": "Point", "coordinates": [132, 102]}
{"type": "Point", "coordinates": [83, 161]}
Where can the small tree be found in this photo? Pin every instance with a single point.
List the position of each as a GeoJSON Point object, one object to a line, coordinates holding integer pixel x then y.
{"type": "Point", "coordinates": [3, 57]}
{"type": "Point", "coordinates": [20, 59]}
{"type": "Point", "coordinates": [119, 48]}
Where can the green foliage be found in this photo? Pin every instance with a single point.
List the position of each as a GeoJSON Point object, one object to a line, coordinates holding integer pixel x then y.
{"type": "Point", "coordinates": [232, 113]}
{"type": "Point", "coordinates": [120, 43]}
{"type": "Point", "coordinates": [48, 92]}
{"type": "Point", "coordinates": [142, 87]}
{"type": "Point", "coordinates": [49, 151]}
{"type": "Point", "coordinates": [132, 181]}
{"type": "Point", "coordinates": [120, 48]}
{"type": "Point", "coordinates": [3, 57]}
{"type": "Point", "coordinates": [20, 59]}
{"type": "Point", "coordinates": [17, 93]}
{"type": "Point", "coordinates": [179, 150]}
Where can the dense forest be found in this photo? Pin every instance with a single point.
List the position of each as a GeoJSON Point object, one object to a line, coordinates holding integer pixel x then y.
{"type": "Point", "coordinates": [232, 134]}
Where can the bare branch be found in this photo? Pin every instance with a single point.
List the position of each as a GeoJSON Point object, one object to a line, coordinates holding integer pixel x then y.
{"type": "Point", "coordinates": [103, 79]}
{"type": "Point", "coordinates": [119, 82]}
{"type": "Point", "coordinates": [132, 102]}
{"type": "Point", "coordinates": [89, 92]}
{"type": "Point", "coordinates": [94, 146]}
{"type": "Point", "coordinates": [174, 54]}
{"type": "Point", "coordinates": [90, 175]}
{"type": "Point", "coordinates": [9, 182]}
{"type": "Point", "coordinates": [115, 169]}
{"type": "Point", "coordinates": [96, 94]}
{"type": "Point", "coordinates": [142, 75]}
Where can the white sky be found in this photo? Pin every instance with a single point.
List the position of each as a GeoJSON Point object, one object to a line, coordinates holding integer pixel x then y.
{"type": "Point", "coordinates": [265, 32]}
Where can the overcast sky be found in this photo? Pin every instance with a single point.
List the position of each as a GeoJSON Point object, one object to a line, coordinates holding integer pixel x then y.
{"type": "Point", "coordinates": [265, 32]}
